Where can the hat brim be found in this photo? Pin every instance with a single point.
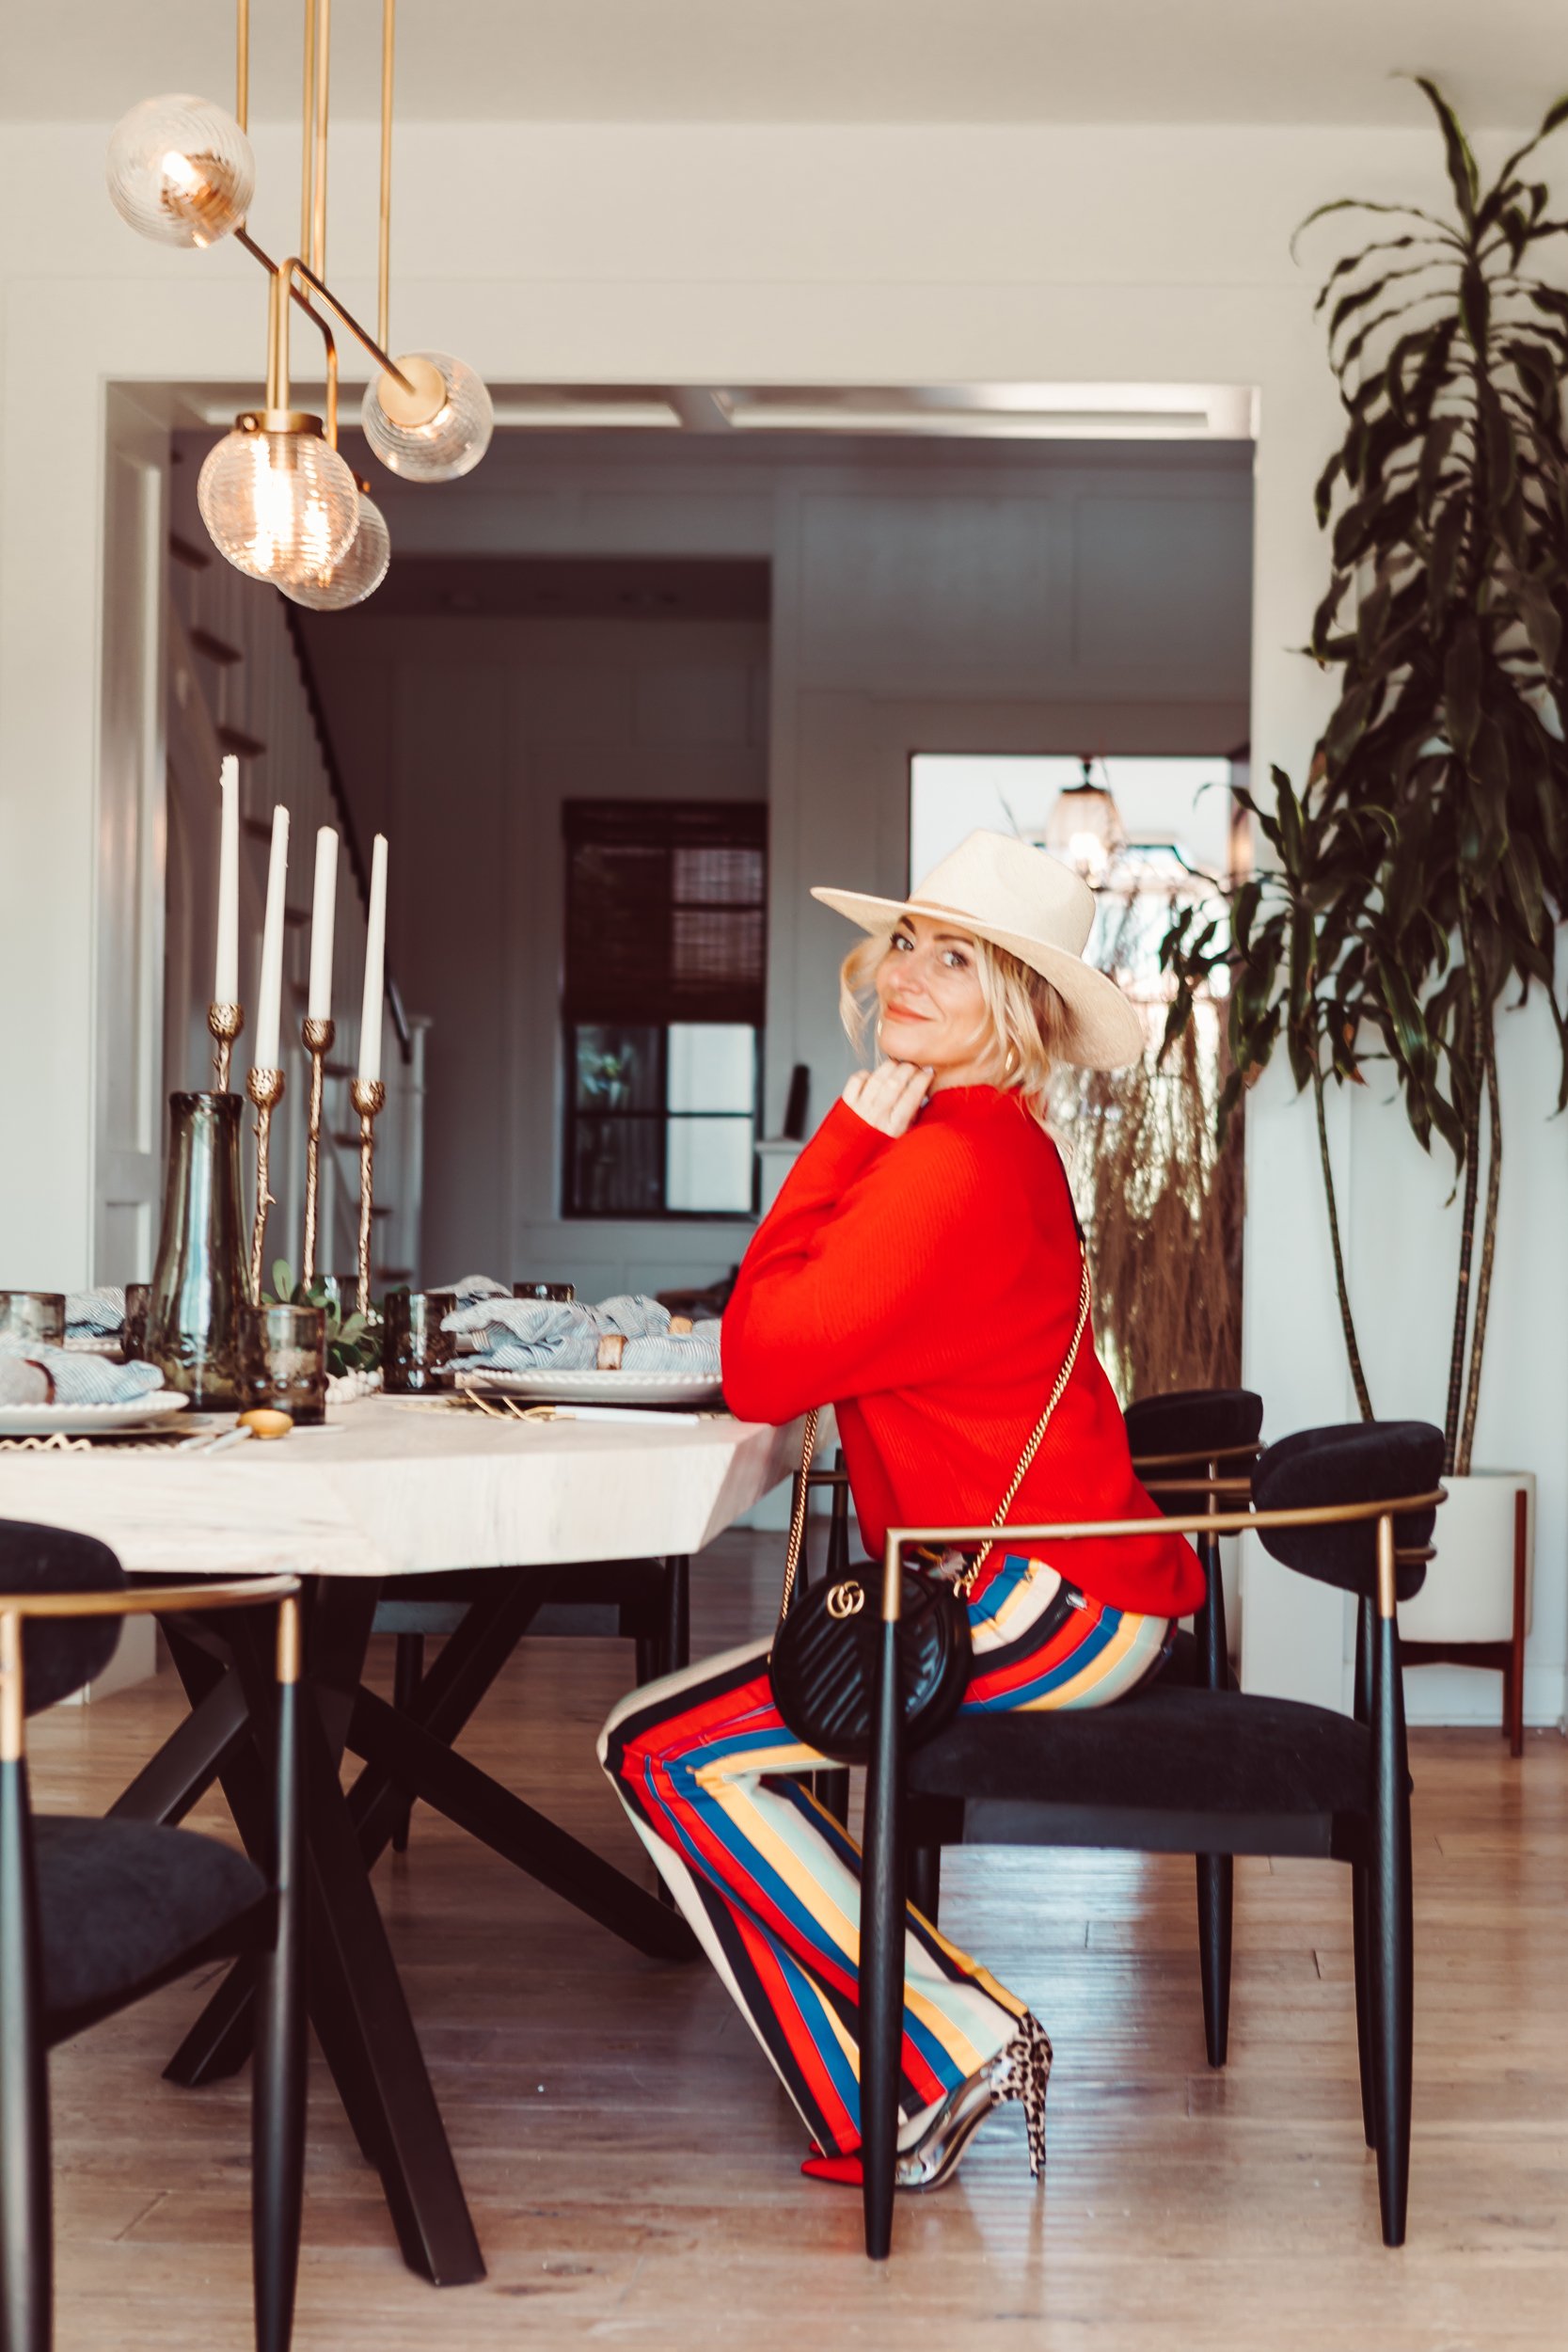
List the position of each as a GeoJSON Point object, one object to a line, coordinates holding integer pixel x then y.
{"type": "Point", "coordinates": [1105, 1031]}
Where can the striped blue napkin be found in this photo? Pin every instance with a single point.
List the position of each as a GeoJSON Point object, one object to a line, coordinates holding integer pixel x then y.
{"type": "Point", "coordinates": [95, 1314]}
{"type": "Point", "coordinates": [560, 1335]}
{"type": "Point", "coordinates": [78, 1379]}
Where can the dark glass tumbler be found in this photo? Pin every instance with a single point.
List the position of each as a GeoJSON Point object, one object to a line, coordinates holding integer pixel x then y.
{"type": "Point", "coordinates": [559, 1290]}
{"type": "Point", "coordinates": [414, 1346]}
{"type": "Point", "coordinates": [37, 1318]}
{"type": "Point", "coordinates": [283, 1361]}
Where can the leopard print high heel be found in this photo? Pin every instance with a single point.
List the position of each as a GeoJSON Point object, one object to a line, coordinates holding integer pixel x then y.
{"type": "Point", "coordinates": [1019, 2069]}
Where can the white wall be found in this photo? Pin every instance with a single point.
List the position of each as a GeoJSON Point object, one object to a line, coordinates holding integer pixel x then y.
{"type": "Point", "coordinates": [578, 253]}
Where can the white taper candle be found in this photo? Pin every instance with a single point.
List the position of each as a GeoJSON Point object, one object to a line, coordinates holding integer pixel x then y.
{"type": "Point", "coordinates": [375, 962]}
{"type": "Point", "coordinates": [270, 1009]}
{"type": "Point", "coordinates": [322, 918]}
{"type": "Point", "coordinates": [226, 979]}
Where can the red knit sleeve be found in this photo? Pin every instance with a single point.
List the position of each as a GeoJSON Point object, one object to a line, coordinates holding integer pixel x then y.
{"type": "Point", "coordinates": [841, 1292]}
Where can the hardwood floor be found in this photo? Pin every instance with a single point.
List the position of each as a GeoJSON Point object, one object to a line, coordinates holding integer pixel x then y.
{"type": "Point", "coordinates": [632, 2164]}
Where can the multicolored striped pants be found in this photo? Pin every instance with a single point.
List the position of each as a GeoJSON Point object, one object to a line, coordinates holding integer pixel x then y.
{"type": "Point", "coordinates": [771, 1882]}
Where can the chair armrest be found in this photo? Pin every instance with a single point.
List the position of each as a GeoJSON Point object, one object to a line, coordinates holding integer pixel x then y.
{"type": "Point", "coordinates": [136, 1601]}
{"type": "Point", "coordinates": [140, 1600]}
{"type": "Point", "coordinates": [1198, 1463]}
{"type": "Point", "coordinates": [1384, 1510]}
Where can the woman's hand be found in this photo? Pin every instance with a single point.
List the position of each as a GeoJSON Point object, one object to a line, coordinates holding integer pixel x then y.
{"type": "Point", "coordinates": [888, 1097]}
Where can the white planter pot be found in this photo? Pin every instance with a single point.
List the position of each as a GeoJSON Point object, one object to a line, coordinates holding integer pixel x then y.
{"type": "Point", "coordinates": [1468, 1593]}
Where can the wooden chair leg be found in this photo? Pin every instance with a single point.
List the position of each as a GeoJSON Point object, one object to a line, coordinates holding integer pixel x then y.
{"type": "Point", "coordinates": [1216, 1875]}
{"type": "Point", "coordinates": [881, 1989]}
{"type": "Point", "coordinates": [26, 2219]}
{"type": "Point", "coordinates": [408, 1674]}
{"type": "Point", "coordinates": [278, 2109]}
{"type": "Point", "coordinates": [1392, 1943]}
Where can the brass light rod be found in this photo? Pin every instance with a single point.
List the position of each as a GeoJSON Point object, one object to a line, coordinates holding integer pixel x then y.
{"type": "Point", "coordinates": [318, 191]}
{"type": "Point", "coordinates": [278, 331]}
{"type": "Point", "coordinates": [310, 262]}
{"type": "Point", "coordinates": [306, 114]}
{"type": "Point", "coordinates": [384, 259]}
{"type": "Point", "coordinates": [328, 339]}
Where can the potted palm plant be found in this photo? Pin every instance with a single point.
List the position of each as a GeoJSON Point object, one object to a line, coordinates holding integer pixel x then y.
{"type": "Point", "coordinates": [1419, 874]}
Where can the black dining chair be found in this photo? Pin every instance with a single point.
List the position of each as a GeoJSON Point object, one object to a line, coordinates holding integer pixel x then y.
{"type": "Point", "coordinates": [1187, 1445]}
{"type": "Point", "coordinates": [95, 1914]}
{"type": "Point", "coordinates": [1176, 1769]}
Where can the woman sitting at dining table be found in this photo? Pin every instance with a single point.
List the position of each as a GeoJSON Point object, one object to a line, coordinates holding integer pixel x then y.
{"type": "Point", "coordinates": [921, 1272]}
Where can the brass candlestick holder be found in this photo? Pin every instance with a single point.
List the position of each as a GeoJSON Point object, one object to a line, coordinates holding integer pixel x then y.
{"type": "Point", "coordinates": [224, 1023]}
{"type": "Point", "coordinates": [265, 1089]}
{"type": "Point", "coordinates": [367, 1096]}
{"type": "Point", "coordinates": [317, 1038]}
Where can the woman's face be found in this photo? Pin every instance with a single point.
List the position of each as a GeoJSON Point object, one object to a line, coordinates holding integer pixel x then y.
{"type": "Point", "coordinates": [933, 1011]}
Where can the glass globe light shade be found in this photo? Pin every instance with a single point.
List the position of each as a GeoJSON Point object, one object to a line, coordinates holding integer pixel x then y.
{"type": "Point", "coordinates": [278, 503]}
{"type": "Point", "coordinates": [1085, 828]}
{"type": "Point", "coordinates": [454, 431]}
{"type": "Point", "coordinates": [180, 170]}
{"type": "Point", "coordinates": [357, 574]}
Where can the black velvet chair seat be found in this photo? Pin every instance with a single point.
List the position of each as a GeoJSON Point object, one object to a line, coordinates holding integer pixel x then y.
{"type": "Point", "coordinates": [1142, 1773]}
{"type": "Point", "coordinates": [121, 1902]}
{"type": "Point", "coordinates": [1194, 1421]}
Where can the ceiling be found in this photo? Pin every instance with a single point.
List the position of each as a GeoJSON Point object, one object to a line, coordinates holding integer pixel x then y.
{"type": "Point", "coordinates": [1198, 61]}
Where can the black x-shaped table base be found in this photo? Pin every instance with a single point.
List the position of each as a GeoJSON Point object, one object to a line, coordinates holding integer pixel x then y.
{"type": "Point", "coordinates": [356, 2001]}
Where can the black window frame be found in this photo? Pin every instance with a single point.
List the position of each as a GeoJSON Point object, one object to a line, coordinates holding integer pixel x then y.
{"type": "Point", "coordinates": [655, 826]}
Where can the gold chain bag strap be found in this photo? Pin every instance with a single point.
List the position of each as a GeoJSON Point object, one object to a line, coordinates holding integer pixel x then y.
{"type": "Point", "coordinates": [798, 1514]}
{"type": "Point", "coordinates": [823, 1661]}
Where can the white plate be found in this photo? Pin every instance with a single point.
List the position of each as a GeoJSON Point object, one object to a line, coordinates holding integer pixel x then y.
{"type": "Point", "coordinates": [82, 1421]}
{"type": "Point", "coordinates": [598, 1388]}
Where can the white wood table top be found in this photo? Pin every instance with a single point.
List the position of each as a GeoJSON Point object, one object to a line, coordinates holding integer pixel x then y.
{"type": "Point", "coordinates": [391, 1489]}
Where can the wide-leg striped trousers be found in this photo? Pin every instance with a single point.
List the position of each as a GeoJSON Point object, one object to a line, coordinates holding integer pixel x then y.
{"type": "Point", "coordinates": [771, 1882]}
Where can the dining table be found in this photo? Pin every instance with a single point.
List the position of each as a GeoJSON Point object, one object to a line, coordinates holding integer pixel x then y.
{"type": "Point", "coordinates": [391, 1489]}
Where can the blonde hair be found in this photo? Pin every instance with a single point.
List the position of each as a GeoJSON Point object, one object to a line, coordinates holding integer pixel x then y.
{"type": "Point", "coordinates": [1029, 1019]}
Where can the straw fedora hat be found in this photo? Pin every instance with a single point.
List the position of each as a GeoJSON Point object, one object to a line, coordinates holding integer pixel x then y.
{"type": "Point", "coordinates": [1007, 892]}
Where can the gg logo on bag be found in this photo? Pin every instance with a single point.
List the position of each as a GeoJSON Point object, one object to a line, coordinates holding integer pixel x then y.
{"type": "Point", "coordinates": [846, 1600]}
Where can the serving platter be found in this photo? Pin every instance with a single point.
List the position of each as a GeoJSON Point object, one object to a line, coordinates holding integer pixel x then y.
{"type": "Point", "coordinates": [86, 1421]}
{"type": "Point", "coordinates": [596, 1388]}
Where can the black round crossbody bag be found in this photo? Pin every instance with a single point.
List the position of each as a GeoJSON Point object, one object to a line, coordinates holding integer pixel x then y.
{"type": "Point", "coordinates": [823, 1664]}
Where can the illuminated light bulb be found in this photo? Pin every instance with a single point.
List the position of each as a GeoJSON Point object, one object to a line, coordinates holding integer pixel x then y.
{"type": "Point", "coordinates": [180, 170]}
{"type": "Point", "coordinates": [333, 587]}
{"type": "Point", "coordinates": [439, 429]}
{"type": "Point", "coordinates": [277, 500]}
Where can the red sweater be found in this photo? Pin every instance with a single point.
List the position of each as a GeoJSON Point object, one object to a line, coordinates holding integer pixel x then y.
{"type": "Point", "coordinates": [926, 1286]}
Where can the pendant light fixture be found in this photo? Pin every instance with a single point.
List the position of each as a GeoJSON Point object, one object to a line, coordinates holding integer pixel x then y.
{"type": "Point", "coordinates": [181, 171]}
{"type": "Point", "coordinates": [1085, 828]}
{"type": "Point", "coordinates": [278, 499]}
